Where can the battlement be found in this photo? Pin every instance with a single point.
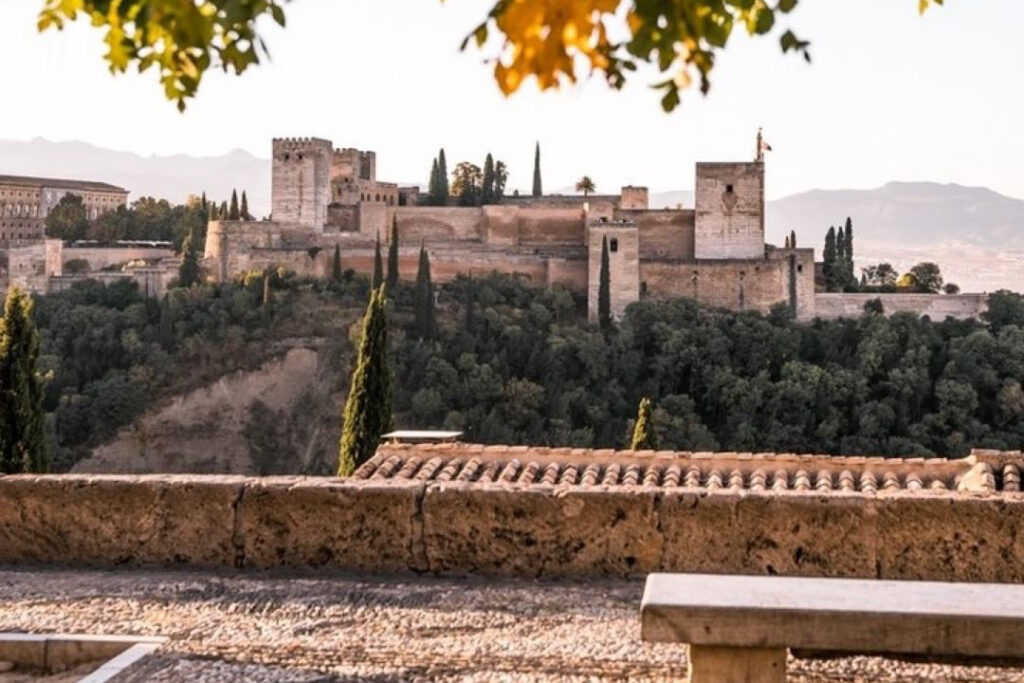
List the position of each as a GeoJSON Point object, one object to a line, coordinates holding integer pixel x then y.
{"type": "Point", "coordinates": [300, 142]}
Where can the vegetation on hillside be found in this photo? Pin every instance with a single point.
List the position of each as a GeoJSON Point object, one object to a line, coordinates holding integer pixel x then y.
{"type": "Point", "coordinates": [507, 362]}
{"type": "Point", "coordinates": [22, 434]}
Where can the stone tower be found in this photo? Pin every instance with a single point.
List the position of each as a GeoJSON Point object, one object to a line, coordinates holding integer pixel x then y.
{"type": "Point", "coordinates": [729, 215]}
{"type": "Point", "coordinates": [300, 189]}
{"type": "Point", "coordinates": [623, 264]}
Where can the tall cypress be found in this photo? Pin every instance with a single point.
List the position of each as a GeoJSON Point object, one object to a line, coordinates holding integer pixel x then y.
{"type": "Point", "coordinates": [434, 186]}
{"type": "Point", "coordinates": [644, 436]}
{"type": "Point", "coordinates": [537, 189]}
{"type": "Point", "coordinates": [848, 243]}
{"type": "Point", "coordinates": [828, 258]}
{"type": "Point", "coordinates": [840, 248]}
{"type": "Point", "coordinates": [787, 241]}
{"type": "Point", "coordinates": [367, 412]}
{"type": "Point", "coordinates": [604, 289]}
{"type": "Point", "coordinates": [233, 212]}
{"type": "Point", "coordinates": [224, 215]}
{"type": "Point", "coordinates": [22, 440]}
{"type": "Point", "coordinates": [792, 239]}
{"type": "Point", "coordinates": [188, 273]}
{"type": "Point", "coordinates": [245, 207]}
{"type": "Point", "coordinates": [442, 173]}
{"type": "Point", "coordinates": [378, 267]}
{"type": "Point", "coordinates": [392, 280]}
{"type": "Point", "coordinates": [336, 265]}
{"type": "Point", "coordinates": [487, 195]}
{"type": "Point", "coordinates": [426, 316]}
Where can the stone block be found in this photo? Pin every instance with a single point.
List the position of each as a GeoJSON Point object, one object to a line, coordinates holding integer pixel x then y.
{"type": "Point", "coordinates": [113, 520]}
{"type": "Point", "coordinates": [767, 533]}
{"type": "Point", "coordinates": [348, 524]}
{"type": "Point", "coordinates": [540, 530]}
{"type": "Point", "coordinates": [939, 538]}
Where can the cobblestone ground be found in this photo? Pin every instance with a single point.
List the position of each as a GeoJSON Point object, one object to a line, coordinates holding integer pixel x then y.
{"type": "Point", "coordinates": [301, 628]}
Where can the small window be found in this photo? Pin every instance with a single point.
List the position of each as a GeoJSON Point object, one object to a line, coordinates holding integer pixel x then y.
{"type": "Point", "coordinates": [643, 288]}
{"type": "Point", "coordinates": [613, 245]}
{"type": "Point", "coordinates": [728, 188]}
{"type": "Point", "coordinates": [799, 269]}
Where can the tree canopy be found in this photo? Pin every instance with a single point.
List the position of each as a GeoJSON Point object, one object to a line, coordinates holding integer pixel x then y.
{"type": "Point", "coordinates": [549, 40]}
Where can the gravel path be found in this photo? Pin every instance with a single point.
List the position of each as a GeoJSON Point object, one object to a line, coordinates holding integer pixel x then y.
{"type": "Point", "coordinates": [293, 628]}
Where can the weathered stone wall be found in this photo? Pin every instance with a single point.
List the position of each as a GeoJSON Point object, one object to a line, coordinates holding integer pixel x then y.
{"type": "Point", "coordinates": [504, 528]}
{"type": "Point", "coordinates": [936, 306]}
{"type": "Point", "coordinates": [663, 234]}
{"type": "Point", "coordinates": [550, 226]}
{"type": "Point", "coordinates": [104, 257]}
{"type": "Point", "coordinates": [24, 265]}
{"type": "Point", "coordinates": [729, 211]}
{"type": "Point", "coordinates": [152, 281]}
{"type": "Point", "coordinates": [736, 285]}
{"type": "Point", "coordinates": [634, 198]}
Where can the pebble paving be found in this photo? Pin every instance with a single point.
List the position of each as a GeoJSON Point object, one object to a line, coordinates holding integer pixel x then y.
{"type": "Point", "coordinates": [306, 628]}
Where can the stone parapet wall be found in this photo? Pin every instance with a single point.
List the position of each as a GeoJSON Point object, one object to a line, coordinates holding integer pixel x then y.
{"type": "Point", "coordinates": [936, 306]}
{"type": "Point", "coordinates": [434, 520]}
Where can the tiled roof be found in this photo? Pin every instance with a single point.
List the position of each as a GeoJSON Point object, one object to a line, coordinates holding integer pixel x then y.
{"type": "Point", "coordinates": [983, 472]}
{"type": "Point", "coordinates": [60, 183]}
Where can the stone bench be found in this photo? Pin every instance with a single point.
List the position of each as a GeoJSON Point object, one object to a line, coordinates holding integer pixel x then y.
{"type": "Point", "coordinates": [740, 627]}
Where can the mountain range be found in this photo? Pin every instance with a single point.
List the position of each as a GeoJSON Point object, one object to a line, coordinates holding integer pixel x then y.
{"type": "Point", "coordinates": [974, 233]}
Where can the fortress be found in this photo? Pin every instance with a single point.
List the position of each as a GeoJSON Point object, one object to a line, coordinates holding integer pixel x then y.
{"type": "Point", "coordinates": [715, 253]}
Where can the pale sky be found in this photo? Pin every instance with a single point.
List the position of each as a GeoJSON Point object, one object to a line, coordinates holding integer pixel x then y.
{"type": "Point", "coordinates": [889, 96]}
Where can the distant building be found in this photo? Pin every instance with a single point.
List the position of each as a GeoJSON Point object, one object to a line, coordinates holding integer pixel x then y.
{"type": "Point", "coordinates": [25, 202]}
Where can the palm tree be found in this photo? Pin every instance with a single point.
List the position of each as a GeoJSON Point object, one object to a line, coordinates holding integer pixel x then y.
{"type": "Point", "coordinates": [585, 185]}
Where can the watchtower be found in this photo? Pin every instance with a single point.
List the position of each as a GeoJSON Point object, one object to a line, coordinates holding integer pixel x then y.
{"type": "Point", "coordinates": [300, 189]}
{"type": "Point", "coordinates": [729, 215]}
{"type": "Point", "coordinates": [623, 240]}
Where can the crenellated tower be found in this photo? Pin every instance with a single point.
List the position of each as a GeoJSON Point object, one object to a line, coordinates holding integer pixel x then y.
{"type": "Point", "coordinates": [301, 186]}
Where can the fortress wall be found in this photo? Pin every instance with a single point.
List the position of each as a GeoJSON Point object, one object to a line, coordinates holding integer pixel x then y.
{"type": "Point", "coordinates": [447, 262]}
{"type": "Point", "coordinates": [103, 257]}
{"type": "Point", "coordinates": [738, 285]}
{"type": "Point", "coordinates": [569, 273]}
{"type": "Point", "coordinates": [729, 203]}
{"type": "Point", "coordinates": [433, 223]}
{"type": "Point", "coordinates": [550, 226]}
{"type": "Point", "coordinates": [502, 223]}
{"type": "Point", "coordinates": [532, 530]}
{"type": "Point", "coordinates": [341, 218]}
{"type": "Point", "coordinates": [936, 306]}
{"type": "Point", "coordinates": [664, 234]}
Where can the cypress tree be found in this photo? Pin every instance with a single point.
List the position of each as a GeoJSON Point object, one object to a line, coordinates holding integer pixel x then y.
{"type": "Point", "coordinates": [233, 213]}
{"type": "Point", "coordinates": [392, 280]}
{"type": "Point", "coordinates": [367, 412]}
{"type": "Point", "coordinates": [644, 436]}
{"type": "Point", "coordinates": [604, 289]}
{"type": "Point", "coordinates": [336, 265]}
{"type": "Point", "coordinates": [22, 440]}
{"type": "Point", "coordinates": [787, 241]}
{"type": "Point", "coordinates": [245, 207]}
{"type": "Point", "coordinates": [434, 187]}
{"type": "Point", "coordinates": [828, 258]}
{"type": "Point", "coordinates": [487, 195]}
{"type": "Point", "coordinates": [224, 215]}
{"type": "Point", "coordinates": [378, 267]}
{"type": "Point", "coordinates": [537, 189]}
{"type": "Point", "coordinates": [212, 213]}
{"type": "Point", "coordinates": [188, 274]}
{"type": "Point", "coordinates": [792, 239]}
{"type": "Point", "coordinates": [840, 247]}
{"type": "Point", "coordinates": [442, 173]}
{"type": "Point", "coordinates": [848, 243]}
{"type": "Point", "coordinates": [205, 204]}
{"type": "Point", "coordinates": [426, 316]}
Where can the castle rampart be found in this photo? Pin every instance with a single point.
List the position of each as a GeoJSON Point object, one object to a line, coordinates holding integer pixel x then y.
{"type": "Point", "coordinates": [830, 305]}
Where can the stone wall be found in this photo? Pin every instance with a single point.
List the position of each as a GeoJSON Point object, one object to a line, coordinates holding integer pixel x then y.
{"type": "Point", "coordinates": [936, 306]}
{"type": "Point", "coordinates": [99, 258]}
{"type": "Point", "coordinates": [24, 266]}
{"type": "Point", "coordinates": [736, 285]}
{"type": "Point", "coordinates": [433, 520]}
{"type": "Point", "coordinates": [663, 234]}
{"type": "Point", "coordinates": [729, 206]}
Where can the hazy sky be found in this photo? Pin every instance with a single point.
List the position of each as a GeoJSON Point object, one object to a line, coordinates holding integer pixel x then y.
{"type": "Point", "coordinates": [890, 96]}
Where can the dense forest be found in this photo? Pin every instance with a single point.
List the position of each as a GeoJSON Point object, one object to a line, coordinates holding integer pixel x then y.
{"type": "Point", "coordinates": [518, 364]}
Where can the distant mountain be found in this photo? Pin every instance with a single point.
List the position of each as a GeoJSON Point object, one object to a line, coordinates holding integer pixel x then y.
{"type": "Point", "coordinates": [905, 213]}
{"type": "Point", "coordinates": [169, 177]}
{"type": "Point", "coordinates": [671, 200]}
